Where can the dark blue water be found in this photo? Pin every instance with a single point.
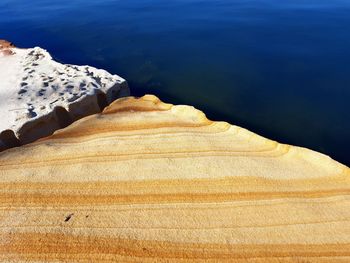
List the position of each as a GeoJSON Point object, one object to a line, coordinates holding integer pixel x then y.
{"type": "Point", "coordinates": [278, 68]}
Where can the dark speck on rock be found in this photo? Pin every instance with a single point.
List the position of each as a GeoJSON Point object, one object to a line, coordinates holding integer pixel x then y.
{"type": "Point", "coordinates": [32, 114]}
{"type": "Point", "coordinates": [68, 217]}
{"type": "Point", "coordinates": [21, 91]}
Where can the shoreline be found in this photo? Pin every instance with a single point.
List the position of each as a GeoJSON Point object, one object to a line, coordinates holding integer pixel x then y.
{"type": "Point", "coordinates": [26, 125]}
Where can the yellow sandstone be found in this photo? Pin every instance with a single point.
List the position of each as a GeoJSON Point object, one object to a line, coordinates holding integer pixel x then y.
{"type": "Point", "coordinates": [147, 181]}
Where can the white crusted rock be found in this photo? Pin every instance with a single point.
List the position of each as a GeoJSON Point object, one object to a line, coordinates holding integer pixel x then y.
{"type": "Point", "coordinates": [39, 95]}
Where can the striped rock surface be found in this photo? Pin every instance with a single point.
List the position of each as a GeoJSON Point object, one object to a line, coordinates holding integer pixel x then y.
{"type": "Point", "coordinates": [147, 181]}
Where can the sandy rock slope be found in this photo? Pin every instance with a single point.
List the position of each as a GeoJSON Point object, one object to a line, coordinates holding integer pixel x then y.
{"type": "Point", "coordinates": [147, 181]}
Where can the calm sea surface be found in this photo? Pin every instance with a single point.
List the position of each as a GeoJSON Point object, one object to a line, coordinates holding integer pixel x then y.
{"type": "Point", "coordinates": [280, 68]}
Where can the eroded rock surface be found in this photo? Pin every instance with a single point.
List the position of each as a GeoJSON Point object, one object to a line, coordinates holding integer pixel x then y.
{"type": "Point", "coordinates": [147, 181]}
{"type": "Point", "coordinates": [39, 95]}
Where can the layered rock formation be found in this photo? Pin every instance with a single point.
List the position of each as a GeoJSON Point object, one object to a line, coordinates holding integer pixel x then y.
{"type": "Point", "coordinates": [39, 95]}
{"type": "Point", "coordinates": [147, 181]}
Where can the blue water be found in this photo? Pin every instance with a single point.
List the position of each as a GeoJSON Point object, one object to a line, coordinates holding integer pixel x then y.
{"type": "Point", "coordinates": [278, 68]}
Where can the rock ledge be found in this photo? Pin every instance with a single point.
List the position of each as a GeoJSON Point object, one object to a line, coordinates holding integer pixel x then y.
{"type": "Point", "coordinates": [39, 95]}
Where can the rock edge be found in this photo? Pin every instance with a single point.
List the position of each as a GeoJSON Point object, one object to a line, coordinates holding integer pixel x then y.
{"type": "Point", "coordinates": [39, 95]}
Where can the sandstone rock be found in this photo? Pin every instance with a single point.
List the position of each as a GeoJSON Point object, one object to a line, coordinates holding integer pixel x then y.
{"type": "Point", "coordinates": [147, 181]}
{"type": "Point", "coordinates": [39, 95]}
{"type": "Point", "coordinates": [6, 48]}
